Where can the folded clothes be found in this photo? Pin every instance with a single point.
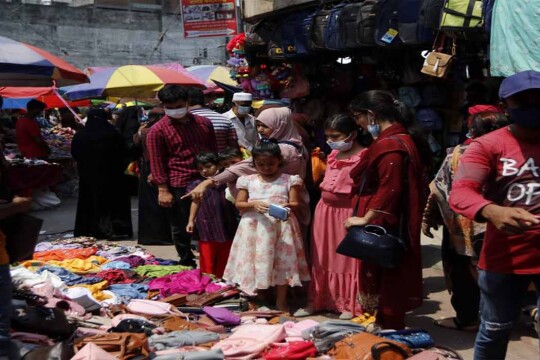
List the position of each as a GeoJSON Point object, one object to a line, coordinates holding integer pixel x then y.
{"type": "Point", "coordinates": [117, 276]}
{"type": "Point", "coordinates": [97, 290]}
{"type": "Point", "coordinates": [186, 282]}
{"type": "Point", "coordinates": [67, 276]}
{"type": "Point", "coordinates": [46, 246]}
{"type": "Point", "coordinates": [62, 254]}
{"type": "Point", "coordinates": [22, 277]}
{"type": "Point", "coordinates": [132, 260]}
{"type": "Point", "coordinates": [117, 265]}
{"type": "Point", "coordinates": [155, 271]}
{"type": "Point", "coordinates": [177, 339]}
{"type": "Point", "coordinates": [126, 292]}
{"type": "Point", "coordinates": [80, 266]}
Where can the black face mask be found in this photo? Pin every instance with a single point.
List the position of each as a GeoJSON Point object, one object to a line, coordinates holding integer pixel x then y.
{"type": "Point", "coordinates": [526, 117]}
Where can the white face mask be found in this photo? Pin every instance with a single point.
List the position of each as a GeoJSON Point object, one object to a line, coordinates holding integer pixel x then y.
{"type": "Point", "coordinates": [176, 113]}
{"type": "Point", "coordinates": [341, 145]}
{"type": "Point", "coordinates": [243, 110]}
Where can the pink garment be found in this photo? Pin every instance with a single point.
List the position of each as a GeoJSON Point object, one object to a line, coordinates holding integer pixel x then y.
{"type": "Point", "coordinates": [249, 341]}
{"type": "Point", "coordinates": [92, 352]}
{"type": "Point", "coordinates": [294, 330]}
{"type": "Point", "coordinates": [185, 282]}
{"type": "Point", "coordinates": [334, 279]}
{"type": "Point", "coordinates": [280, 121]}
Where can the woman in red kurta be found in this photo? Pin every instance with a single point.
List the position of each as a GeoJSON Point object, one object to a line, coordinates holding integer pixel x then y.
{"type": "Point", "coordinates": [392, 292]}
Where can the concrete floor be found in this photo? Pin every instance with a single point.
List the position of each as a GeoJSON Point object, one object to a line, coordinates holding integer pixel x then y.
{"type": "Point", "coordinates": [523, 346]}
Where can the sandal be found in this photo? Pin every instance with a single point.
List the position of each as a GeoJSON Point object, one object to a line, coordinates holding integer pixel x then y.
{"type": "Point", "coordinates": [453, 323]}
{"type": "Point", "coordinates": [303, 313]}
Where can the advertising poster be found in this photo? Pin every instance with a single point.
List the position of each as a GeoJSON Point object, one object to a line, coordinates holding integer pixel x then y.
{"type": "Point", "coordinates": [205, 18]}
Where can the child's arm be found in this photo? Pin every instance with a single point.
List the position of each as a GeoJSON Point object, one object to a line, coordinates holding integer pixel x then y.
{"type": "Point", "coordinates": [192, 215]}
{"type": "Point", "coordinates": [294, 196]}
{"type": "Point", "coordinates": [243, 203]}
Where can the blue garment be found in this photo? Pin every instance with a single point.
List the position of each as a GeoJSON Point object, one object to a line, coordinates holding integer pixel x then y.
{"type": "Point", "coordinates": [515, 37]}
{"type": "Point", "coordinates": [126, 292]}
{"type": "Point", "coordinates": [68, 277]}
{"type": "Point", "coordinates": [117, 265]}
{"type": "Point", "coordinates": [166, 261]}
{"type": "Point", "coordinates": [500, 305]}
{"type": "Point", "coordinates": [5, 308]}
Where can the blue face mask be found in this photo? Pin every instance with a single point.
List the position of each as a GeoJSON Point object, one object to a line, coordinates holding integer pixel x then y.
{"type": "Point", "coordinates": [527, 117]}
{"type": "Point", "coordinates": [342, 145]}
{"type": "Point", "coordinates": [374, 130]}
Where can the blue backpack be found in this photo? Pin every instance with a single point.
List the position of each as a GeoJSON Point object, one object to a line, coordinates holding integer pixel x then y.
{"type": "Point", "coordinates": [295, 34]}
{"type": "Point", "coordinates": [397, 23]}
{"type": "Point", "coordinates": [332, 32]}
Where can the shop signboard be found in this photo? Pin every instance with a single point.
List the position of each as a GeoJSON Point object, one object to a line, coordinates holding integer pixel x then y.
{"type": "Point", "coordinates": [206, 18]}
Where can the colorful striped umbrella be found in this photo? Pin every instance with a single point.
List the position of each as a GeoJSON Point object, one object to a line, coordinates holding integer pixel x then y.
{"type": "Point", "coordinates": [136, 81]}
{"type": "Point", "coordinates": [18, 97]}
{"type": "Point", "coordinates": [26, 65]}
{"type": "Point", "coordinates": [207, 73]}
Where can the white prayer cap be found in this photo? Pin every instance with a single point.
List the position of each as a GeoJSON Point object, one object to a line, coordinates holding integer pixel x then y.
{"type": "Point", "coordinates": [242, 96]}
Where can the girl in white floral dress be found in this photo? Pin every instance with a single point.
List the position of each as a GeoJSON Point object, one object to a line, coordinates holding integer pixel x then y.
{"type": "Point", "coordinates": [267, 252]}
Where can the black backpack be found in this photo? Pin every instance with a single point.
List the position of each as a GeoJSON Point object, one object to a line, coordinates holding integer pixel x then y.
{"type": "Point", "coordinates": [429, 19]}
{"type": "Point", "coordinates": [295, 34]}
{"type": "Point", "coordinates": [366, 22]}
{"type": "Point", "coordinates": [275, 47]}
{"type": "Point", "coordinates": [317, 30]}
{"type": "Point", "coordinates": [332, 31]}
{"type": "Point", "coordinates": [349, 18]}
{"type": "Point", "coordinates": [401, 16]}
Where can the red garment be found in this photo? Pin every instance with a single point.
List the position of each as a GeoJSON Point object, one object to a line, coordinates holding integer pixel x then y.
{"type": "Point", "coordinates": [508, 170]}
{"type": "Point", "coordinates": [172, 147]}
{"type": "Point", "coordinates": [392, 291]}
{"type": "Point", "coordinates": [214, 256]}
{"type": "Point", "coordinates": [114, 276]}
{"type": "Point", "coordinates": [60, 255]}
{"type": "Point", "coordinates": [26, 130]}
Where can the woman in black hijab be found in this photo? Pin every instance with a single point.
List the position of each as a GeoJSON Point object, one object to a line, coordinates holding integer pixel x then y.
{"type": "Point", "coordinates": [104, 208]}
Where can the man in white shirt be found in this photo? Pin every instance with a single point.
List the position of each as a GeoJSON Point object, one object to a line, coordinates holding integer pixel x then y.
{"type": "Point", "coordinates": [243, 121]}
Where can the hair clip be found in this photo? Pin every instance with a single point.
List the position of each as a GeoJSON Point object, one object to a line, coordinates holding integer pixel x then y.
{"type": "Point", "coordinates": [397, 102]}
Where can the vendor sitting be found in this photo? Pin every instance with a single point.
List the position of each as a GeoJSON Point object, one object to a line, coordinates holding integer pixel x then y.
{"type": "Point", "coordinates": [28, 133]}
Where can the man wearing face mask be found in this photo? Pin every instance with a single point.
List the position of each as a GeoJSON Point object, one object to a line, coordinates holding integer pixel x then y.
{"type": "Point", "coordinates": [173, 143]}
{"type": "Point", "coordinates": [243, 121]}
{"type": "Point", "coordinates": [28, 133]}
{"type": "Point", "coordinates": [498, 182]}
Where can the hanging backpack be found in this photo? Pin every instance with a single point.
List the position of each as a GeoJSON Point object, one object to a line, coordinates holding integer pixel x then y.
{"type": "Point", "coordinates": [429, 18]}
{"type": "Point", "coordinates": [317, 31]}
{"type": "Point", "coordinates": [275, 48]}
{"type": "Point", "coordinates": [461, 15]}
{"type": "Point", "coordinates": [295, 34]}
{"type": "Point", "coordinates": [349, 19]}
{"type": "Point", "coordinates": [397, 23]}
{"type": "Point", "coordinates": [358, 24]}
{"type": "Point", "coordinates": [332, 31]}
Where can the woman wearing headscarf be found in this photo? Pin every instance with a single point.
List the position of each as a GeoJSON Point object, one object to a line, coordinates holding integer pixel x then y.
{"type": "Point", "coordinates": [104, 208]}
{"type": "Point", "coordinates": [272, 123]}
{"type": "Point", "coordinates": [154, 228]}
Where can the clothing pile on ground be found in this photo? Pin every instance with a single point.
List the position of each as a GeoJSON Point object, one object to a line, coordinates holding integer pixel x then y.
{"type": "Point", "coordinates": [59, 140]}
{"type": "Point", "coordinates": [85, 299]}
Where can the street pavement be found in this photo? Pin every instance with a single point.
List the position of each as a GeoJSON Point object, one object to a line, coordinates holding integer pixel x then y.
{"type": "Point", "coordinates": [59, 222]}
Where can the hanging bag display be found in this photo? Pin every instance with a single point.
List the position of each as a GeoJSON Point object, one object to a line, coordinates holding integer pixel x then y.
{"type": "Point", "coordinates": [461, 15]}
{"type": "Point", "coordinates": [437, 63]}
{"type": "Point", "coordinates": [317, 31]}
{"type": "Point", "coordinates": [373, 243]}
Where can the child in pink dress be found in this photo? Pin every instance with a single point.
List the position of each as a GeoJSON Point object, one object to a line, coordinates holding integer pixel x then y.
{"type": "Point", "coordinates": [267, 252]}
{"type": "Point", "coordinates": [334, 277]}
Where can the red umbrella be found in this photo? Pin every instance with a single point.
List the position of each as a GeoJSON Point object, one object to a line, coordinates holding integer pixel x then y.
{"type": "Point", "coordinates": [25, 65]}
{"type": "Point", "coordinates": [21, 95]}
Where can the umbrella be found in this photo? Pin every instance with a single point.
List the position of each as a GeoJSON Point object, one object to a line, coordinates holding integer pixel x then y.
{"type": "Point", "coordinates": [137, 81]}
{"type": "Point", "coordinates": [26, 65]}
{"type": "Point", "coordinates": [208, 73]}
{"type": "Point", "coordinates": [18, 97]}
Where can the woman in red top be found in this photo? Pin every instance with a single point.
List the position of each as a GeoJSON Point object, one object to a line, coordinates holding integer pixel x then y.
{"type": "Point", "coordinates": [390, 292]}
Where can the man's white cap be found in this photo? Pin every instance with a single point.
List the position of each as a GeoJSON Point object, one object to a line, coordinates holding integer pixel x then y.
{"type": "Point", "coordinates": [242, 96]}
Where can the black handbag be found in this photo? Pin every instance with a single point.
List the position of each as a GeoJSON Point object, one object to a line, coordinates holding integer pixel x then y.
{"type": "Point", "coordinates": [373, 243]}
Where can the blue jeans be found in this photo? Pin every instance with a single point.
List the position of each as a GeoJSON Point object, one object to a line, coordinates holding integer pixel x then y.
{"type": "Point", "coordinates": [5, 308]}
{"type": "Point", "coordinates": [500, 305]}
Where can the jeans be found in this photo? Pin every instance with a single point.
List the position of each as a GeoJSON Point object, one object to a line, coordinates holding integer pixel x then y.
{"type": "Point", "coordinates": [178, 216]}
{"type": "Point", "coordinates": [500, 305]}
{"type": "Point", "coordinates": [5, 308]}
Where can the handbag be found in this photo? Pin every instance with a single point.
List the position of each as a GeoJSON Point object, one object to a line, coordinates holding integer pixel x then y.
{"type": "Point", "coordinates": [124, 346]}
{"type": "Point", "coordinates": [296, 350]}
{"type": "Point", "coordinates": [222, 316]}
{"type": "Point", "coordinates": [369, 347]}
{"type": "Point", "coordinates": [42, 320]}
{"type": "Point", "coordinates": [436, 62]}
{"type": "Point", "coordinates": [22, 233]}
{"type": "Point", "coordinates": [437, 353]}
{"type": "Point", "coordinates": [415, 339]}
{"type": "Point", "coordinates": [373, 243]}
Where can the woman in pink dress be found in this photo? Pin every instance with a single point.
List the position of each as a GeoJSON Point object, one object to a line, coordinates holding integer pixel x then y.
{"type": "Point", "coordinates": [334, 277]}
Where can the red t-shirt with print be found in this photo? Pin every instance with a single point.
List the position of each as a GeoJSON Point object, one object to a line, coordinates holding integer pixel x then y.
{"type": "Point", "coordinates": [497, 168]}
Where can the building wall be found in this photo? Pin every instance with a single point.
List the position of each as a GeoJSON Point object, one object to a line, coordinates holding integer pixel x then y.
{"type": "Point", "coordinates": [92, 36]}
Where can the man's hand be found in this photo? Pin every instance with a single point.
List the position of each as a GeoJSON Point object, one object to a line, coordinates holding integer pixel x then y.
{"type": "Point", "coordinates": [509, 219]}
{"type": "Point", "coordinates": [190, 227]}
{"type": "Point", "coordinates": [22, 204]}
{"type": "Point", "coordinates": [150, 179]}
{"type": "Point", "coordinates": [427, 225]}
{"type": "Point", "coordinates": [355, 221]}
{"type": "Point", "coordinates": [165, 198]}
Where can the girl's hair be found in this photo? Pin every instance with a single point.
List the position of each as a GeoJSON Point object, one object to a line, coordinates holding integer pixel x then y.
{"type": "Point", "coordinates": [385, 106]}
{"type": "Point", "coordinates": [206, 158]}
{"type": "Point", "coordinates": [230, 153]}
{"type": "Point", "coordinates": [266, 147]}
{"type": "Point", "coordinates": [486, 122]}
{"type": "Point", "coordinates": [346, 124]}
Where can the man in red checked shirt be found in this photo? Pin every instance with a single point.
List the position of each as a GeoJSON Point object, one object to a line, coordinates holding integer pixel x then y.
{"type": "Point", "coordinates": [173, 143]}
{"type": "Point", "coordinates": [498, 181]}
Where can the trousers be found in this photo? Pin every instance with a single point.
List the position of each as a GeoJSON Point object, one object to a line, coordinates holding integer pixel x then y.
{"type": "Point", "coordinates": [178, 216]}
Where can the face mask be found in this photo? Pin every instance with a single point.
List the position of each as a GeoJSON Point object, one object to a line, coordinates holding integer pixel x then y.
{"type": "Point", "coordinates": [528, 117]}
{"type": "Point", "coordinates": [341, 145]}
{"type": "Point", "coordinates": [176, 113]}
{"type": "Point", "coordinates": [243, 110]}
{"type": "Point", "coordinates": [374, 130]}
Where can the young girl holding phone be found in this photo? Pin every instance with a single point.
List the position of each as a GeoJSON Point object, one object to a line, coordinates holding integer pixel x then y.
{"type": "Point", "coordinates": [266, 251]}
